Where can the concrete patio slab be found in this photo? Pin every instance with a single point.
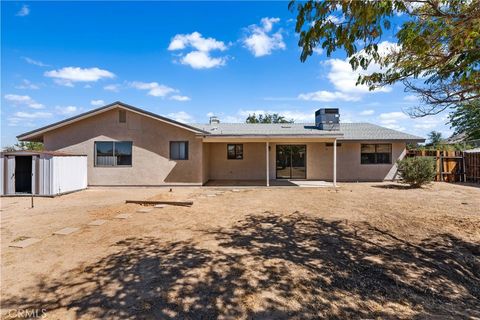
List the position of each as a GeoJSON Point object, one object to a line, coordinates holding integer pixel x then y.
{"type": "Point", "coordinates": [312, 183]}
{"type": "Point", "coordinates": [97, 222]}
{"type": "Point", "coordinates": [66, 231]}
{"type": "Point", "coordinates": [24, 243]}
{"type": "Point", "coordinates": [123, 216]}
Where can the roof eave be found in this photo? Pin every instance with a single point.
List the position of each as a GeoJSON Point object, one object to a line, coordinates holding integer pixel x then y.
{"type": "Point", "coordinates": [37, 133]}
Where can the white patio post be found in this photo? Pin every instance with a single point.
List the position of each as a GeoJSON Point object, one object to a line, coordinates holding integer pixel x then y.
{"type": "Point", "coordinates": [335, 163]}
{"type": "Point", "coordinates": [268, 172]}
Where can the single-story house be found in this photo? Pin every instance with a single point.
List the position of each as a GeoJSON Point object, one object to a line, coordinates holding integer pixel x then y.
{"type": "Point", "coordinates": [128, 146]}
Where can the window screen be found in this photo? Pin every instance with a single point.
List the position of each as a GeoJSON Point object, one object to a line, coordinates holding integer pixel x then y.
{"type": "Point", "coordinates": [179, 150]}
{"type": "Point", "coordinates": [235, 151]}
{"type": "Point", "coordinates": [376, 154]}
{"type": "Point", "coordinates": [113, 153]}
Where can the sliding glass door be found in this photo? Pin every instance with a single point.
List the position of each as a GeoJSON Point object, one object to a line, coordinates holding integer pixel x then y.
{"type": "Point", "coordinates": [291, 161]}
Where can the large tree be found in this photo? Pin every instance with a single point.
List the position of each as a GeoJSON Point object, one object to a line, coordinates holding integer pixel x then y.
{"type": "Point", "coordinates": [267, 118]}
{"type": "Point", "coordinates": [25, 145]}
{"type": "Point", "coordinates": [465, 119]}
{"type": "Point", "coordinates": [437, 54]}
{"type": "Point", "coordinates": [434, 138]}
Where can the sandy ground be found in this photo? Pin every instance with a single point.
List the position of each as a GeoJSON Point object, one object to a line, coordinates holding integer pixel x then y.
{"type": "Point", "coordinates": [363, 251]}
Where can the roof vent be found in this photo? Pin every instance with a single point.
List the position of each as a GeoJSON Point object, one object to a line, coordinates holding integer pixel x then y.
{"type": "Point", "coordinates": [327, 119]}
{"type": "Point", "coordinates": [214, 120]}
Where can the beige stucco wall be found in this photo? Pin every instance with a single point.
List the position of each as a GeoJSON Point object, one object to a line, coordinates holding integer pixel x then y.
{"type": "Point", "coordinates": [349, 168]}
{"type": "Point", "coordinates": [207, 160]}
{"type": "Point", "coordinates": [151, 143]}
{"type": "Point", "coordinates": [319, 162]}
{"type": "Point", "coordinates": [252, 167]}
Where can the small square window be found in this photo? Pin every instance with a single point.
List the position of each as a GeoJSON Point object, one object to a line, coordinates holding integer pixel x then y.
{"type": "Point", "coordinates": [235, 151]}
{"type": "Point", "coordinates": [122, 116]}
{"type": "Point", "coordinates": [178, 150]}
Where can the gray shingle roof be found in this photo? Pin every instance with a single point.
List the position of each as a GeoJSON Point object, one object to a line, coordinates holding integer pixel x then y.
{"type": "Point", "coordinates": [350, 131]}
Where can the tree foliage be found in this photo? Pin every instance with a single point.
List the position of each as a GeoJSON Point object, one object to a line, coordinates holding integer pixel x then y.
{"type": "Point", "coordinates": [435, 138]}
{"type": "Point", "coordinates": [466, 120]}
{"type": "Point", "coordinates": [26, 145]}
{"type": "Point", "coordinates": [267, 118]}
{"type": "Point", "coordinates": [436, 55]}
{"type": "Point", "coordinates": [417, 171]}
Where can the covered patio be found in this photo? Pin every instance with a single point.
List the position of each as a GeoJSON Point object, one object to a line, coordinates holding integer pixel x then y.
{"type": "Point", "coordinates": [273, 183]}
{"type": "Point", "coordinates": [266, 161]}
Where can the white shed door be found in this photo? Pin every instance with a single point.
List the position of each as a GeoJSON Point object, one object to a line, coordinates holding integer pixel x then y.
{"type": "Point", "coordinates": [10, 175]}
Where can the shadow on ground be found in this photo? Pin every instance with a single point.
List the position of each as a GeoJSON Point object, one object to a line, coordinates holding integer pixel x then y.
{"type": "Point", "coordinates": [271, 266]}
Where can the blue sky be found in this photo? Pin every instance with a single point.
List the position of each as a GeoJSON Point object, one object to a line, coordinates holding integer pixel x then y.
{"type": "Point", "coordinates": [184, 60]}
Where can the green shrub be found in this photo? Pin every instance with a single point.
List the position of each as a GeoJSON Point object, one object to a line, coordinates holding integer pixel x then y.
{"type": "Point", "coordinates": [417, 171]}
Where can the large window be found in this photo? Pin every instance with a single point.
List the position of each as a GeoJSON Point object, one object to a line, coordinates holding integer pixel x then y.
{"type": "Point", "coordinates": [179, 150]}
{"type": "Point", "coordinates": [235, 151]}
{"type": "Point", "coordinates": [113, 153]}
{"type": "Point", "coordinates": [376, 154]}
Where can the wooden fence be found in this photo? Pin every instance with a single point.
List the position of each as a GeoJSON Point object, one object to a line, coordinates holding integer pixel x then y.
{"type": "Point", "coordinates": [453, 166]}
{"type": "Point", "coordinates": [472, 166]}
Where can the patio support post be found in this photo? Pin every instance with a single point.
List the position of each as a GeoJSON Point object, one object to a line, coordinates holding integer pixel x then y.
{"type": "Point", "coordinates": [267, 156]}
{"type": "Point", "coordinates": [335, 163]}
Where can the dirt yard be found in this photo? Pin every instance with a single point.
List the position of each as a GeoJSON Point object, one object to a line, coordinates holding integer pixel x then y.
{"type": "Point", "coordinates": [364, 251]}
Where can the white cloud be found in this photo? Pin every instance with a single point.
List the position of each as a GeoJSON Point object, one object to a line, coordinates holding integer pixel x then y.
{"type": "Point", "coordinates": [368, 112]}
{"type": "Point", "coordinates": [335, 19]}
{"type": "Point", "coordinates": [393, 116]}
{"type": "Point", "coordinates": [181, 116]}
{"type": "Point", "coordinates": [154, 89]}
{"type": "Point", "coordinates": [67, 110]}
{"type": "Point", "coordinates": [23, 100]}
{"type": "Point", "coordinates": [318, 50]}
{"type": "Point", "coordinates": [97, 103]}
{"type": "Point", "coordinates": [24, 11]}
{"type": "Point", "coordinates": [394, 126]}
{"type": "Point", "coordinates": [391, 120]}
{"type": "Point", "coordinates": [197, 41]}
{"type": "Point", "coordinates": [260, 41]}
{"type": "Point", "coordinates": [344, 79]}
{"type": "Point", "coordinates": [430, 123]}
{"type": "Point", "coordinates": [68, 75]}
{"type": "Point", "coordinates": [112, 87]}
{"type": "Point", "coordinates": [411, 98]}
{"type": "Point", "coordinates": [180, 98]}
{"type": "Point", "coordinates": [200, 58]}
{"type": "Point", "coordinates": [32, 115]}
{"type": "Point", "coordinates": [26, 84]}
{"type": "Point", "coordinates": [327, 96]}
{"type": "Point", "coordinates": [35, 62]}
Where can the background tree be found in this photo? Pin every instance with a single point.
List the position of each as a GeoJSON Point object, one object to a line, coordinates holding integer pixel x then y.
{"type": "Point", "coordinates": [267, 118]}
{"type": "Point", "coordinates": [436, 55]}
{"type": "Point", "coordinates": [466, 120]}
{"type": "Point", "coordinates": [434, 138]}
{"type": "Point", "coordinates": [25, 145]}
